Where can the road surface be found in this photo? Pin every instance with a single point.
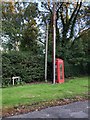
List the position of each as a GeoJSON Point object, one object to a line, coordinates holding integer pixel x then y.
{"type": "Point", "coordinates": [73, 110]}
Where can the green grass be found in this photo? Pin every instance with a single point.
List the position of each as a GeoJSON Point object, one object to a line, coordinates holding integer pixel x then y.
{"type": "Point", "coordinates": [33, 93]}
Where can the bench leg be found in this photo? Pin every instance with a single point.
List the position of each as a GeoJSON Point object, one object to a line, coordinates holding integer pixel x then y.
{"type": "Point", "coordinates": [13, 81]}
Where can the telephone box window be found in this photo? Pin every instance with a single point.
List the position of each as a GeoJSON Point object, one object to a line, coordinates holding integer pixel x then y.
{"type": "Point", "coordinates": [61, 71]}
{"type": "Point", "coordinates": [55, 71]}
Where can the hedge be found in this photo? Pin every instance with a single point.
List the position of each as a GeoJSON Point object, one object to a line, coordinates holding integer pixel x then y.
{"type": "Point", "coordinates": [71, 70]}
{"type": "Point", "coordinates": [29, 67]}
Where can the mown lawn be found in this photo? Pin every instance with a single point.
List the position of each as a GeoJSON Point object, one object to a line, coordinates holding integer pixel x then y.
{"type": "Point", "coordinates": [33, 93]}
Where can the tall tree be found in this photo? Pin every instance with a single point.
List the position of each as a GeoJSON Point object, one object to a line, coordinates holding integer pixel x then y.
{"type": "Point", "coordinates": [30, 34]}
{"type": "Point", "coordinates": [16, 19]}
{"type": "Point", "coordinates": [70, 22]}
{"type": "Point", "coordinates": [66, 19]}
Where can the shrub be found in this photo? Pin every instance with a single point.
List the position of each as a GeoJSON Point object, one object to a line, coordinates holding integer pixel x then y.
{"type": "Point", "coordinates": [29, 67]}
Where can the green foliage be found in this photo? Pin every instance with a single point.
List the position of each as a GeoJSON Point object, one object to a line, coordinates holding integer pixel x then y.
{"type": "Point", "coordinates": [69, 47]}
{"type": "Point", "coordinates": [19, 24]}
{"type": "Point", "coordinates": [76, 56]}
{"type": "Point", "coordinates": [30, 34]}
{"type": "Point", "coordinates": [27, 66]}
{"type": "Point", "coordinates": [72, 70]}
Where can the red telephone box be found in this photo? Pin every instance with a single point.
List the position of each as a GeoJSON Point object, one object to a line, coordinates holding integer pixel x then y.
{"type": "Point", "coordinates": [59, 70]}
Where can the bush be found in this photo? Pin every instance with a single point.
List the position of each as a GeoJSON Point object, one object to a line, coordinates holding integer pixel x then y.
{"type": "Point", "coordinates": [27, 66]}
{"type": "Point", "coordinates": [30, 67]}
{"type": "Point", "coordinates": [72, 70]}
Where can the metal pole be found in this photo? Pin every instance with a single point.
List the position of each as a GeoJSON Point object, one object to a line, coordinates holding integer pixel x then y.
{"type": "Point", "coordinates": [54, 40]}
{"type": "Point", "coordinates": [46, 52]}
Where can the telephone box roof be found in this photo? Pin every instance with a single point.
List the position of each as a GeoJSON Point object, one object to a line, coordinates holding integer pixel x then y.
{"type": "Point", "coordinates": [59, 60]}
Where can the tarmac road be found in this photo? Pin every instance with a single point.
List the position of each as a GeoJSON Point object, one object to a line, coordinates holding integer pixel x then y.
{"type": "Point", "coordinates": [73, 110]}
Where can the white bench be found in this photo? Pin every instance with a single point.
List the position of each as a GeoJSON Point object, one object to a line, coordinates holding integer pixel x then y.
{"type": "Point", "coordinates": [15, 78]}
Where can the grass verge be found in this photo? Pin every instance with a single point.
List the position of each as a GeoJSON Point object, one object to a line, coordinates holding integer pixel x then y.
{"type": "Point", "coordinates": [35, 94]}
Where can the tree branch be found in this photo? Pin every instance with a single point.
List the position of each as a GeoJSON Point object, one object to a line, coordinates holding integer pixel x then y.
{"type": "Point", "coordinates": [48, 7]}
{"type": "Point", "coordinates": [73, 13]}
{"type": "Point", "coordinates": [74, 20]}
{"type": "Point", "coordinates": [42, 42]}
{"type": "Point", "coordinates": [59, 6]}
{"type": "Point", "coordinates": [62, 18]}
